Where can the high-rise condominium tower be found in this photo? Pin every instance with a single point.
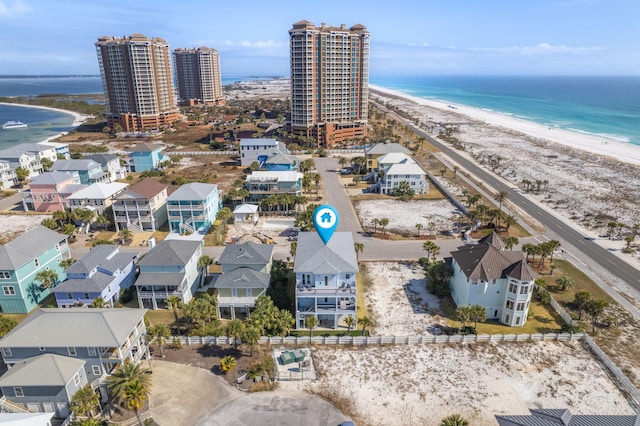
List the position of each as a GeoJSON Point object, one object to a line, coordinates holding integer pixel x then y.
{"type": "Point", "coordinates": [198, 74]}
{"type": "Point", "coordinates": [137, 82]}
{"type": "Point", "coordinates": [329, 81]}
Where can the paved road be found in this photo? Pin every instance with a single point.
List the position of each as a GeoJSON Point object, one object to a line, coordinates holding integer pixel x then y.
{"type": "Point", "coordinates": [570, 238]}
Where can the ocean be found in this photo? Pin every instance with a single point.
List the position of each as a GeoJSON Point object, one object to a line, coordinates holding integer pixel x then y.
{"type": "Point", "coordinates": [604, 106]}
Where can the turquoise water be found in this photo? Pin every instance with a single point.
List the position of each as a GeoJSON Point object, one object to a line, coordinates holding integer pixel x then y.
{"type": "Point", "coordinates": [605, 106]}
{"type": "Point", "coordinates": [42, 124]}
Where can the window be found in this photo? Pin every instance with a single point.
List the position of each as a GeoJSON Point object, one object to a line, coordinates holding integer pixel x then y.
{"type": "Point", "coordinates": [521, 306]}
{"type": "Point", "coordinates": [72, 351]}
{"type": "Point", "coordinates": [19, 392]}
{"type": "Point", "coordinates": [91, 351]}
{"type": "Point", "coordinates": [517, 320]}
{"type": "Point", "coordinates": [509, 304]}
{"type": "Point", "coordinates": [76, 380]}
{"type": "Point", "coordinates": [96, 370]}
{"type": "Point", "coordinates": [6, 352]}
{"type": "Point", "coordinates": [524, 289]}
{"type": "Point", "coordinates": [69, 296]}
{"type": "Point", "coordinates": [8, 290]}
{"type": "Point", "coordinates": [507, 319]}
{"type": "Point", "coordinates": [5, 275]}
{"type": "Point", "coordinates": [42, 348]}
{"type": "Point", "coordinates": [36, 262]}
{"type": "Point", "coordinates": [86, 296]}
{"type": "Point", "coordinates": [347, 276]}
{"type": "Point", "coordinates": [513, 288]}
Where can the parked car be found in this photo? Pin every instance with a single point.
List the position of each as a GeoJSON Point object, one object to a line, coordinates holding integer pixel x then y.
{"type": "Point", "coordinates": [346, 171]}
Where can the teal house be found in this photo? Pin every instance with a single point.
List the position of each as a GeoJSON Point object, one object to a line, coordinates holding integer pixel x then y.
{"type": "Point", "coordinates": [145, 156]}
{"type": "Point", "coordinates": [193, 207]}
{"type": "Point", "coordinates": [37, 250]}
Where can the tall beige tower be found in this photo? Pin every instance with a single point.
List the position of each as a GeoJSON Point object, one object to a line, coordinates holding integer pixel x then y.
{"type": "Point", "coordinates": [198, 75]}
{"type": "Point", "coordinates": [137, 82]}
{"type": "Point", "coordinates": [329, 81]}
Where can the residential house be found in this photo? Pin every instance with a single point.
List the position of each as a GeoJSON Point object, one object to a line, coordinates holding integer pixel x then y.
{"type": "Point", "coordinates": [169, 269]}
{"type": "Point", "coordinates": [488, 275]}
{"type": "Point", "coordinates": [102, 338]}
{"type": "Point", "coordinates": [49, 192]}
{"type": "Point", "coordinates": [396, 168]}
{"type": "Point", "coordinates": [145, 156]}
{"type": "Point", "coordinates": [258, 149]}
{"type": "Point", "coordinates": [246, 213]}
{"type": "Point", "coordinates": [325, 279]}
{"type": "Point", "coordinates": [378, 150]}
{"type": "Point", "coordinates": [44, 383]}
{"type": "Point", "coordinates": [10, 416]}
{"type": "Point", "coordinates": [563, 417]}
{"type": "Point", "coordinates": [262, 184]}
{"type": "Point", "coordinates": [26, 160]}
{"type": "Point", "coordinates": [281, 161]}
{"type": "Point", "coordinates": [193, 207]}
{"type": "Point", "coordinates": [101, 273]}
{"type": "Point", "coordinates": [110, 164]}
{"type": "Point", "coordinates": [40, 150]}
{"type": "Point", "coordinates": [7, 175]}
{"type": "Point", "coordinates": [36, 250]}
{"type": "Point", "coordinates": [142, 207]}
{"type": "Point", "coordinates": [97, 196]}
{"type": "Point", "coordinates": [62, 149]}
{"type": "Point", "coordinates": [88, 170]}
{"type": "Point", "coordinates": [245, 276]}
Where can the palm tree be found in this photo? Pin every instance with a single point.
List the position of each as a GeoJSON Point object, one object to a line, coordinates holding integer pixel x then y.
{"type": "Point", "coordinates": [235, 329]}
{"type": "Point", "coordinates": [478, 314]}
{"type": "Point", "coordinates": [99, 302]}
{"type": "Point", "coordinates": [594, 308]}
{"type": "Point", "coordinates": [431, 248]}
{"type": "Point", "coordinates": [454, 420]}
{"type": "Point", "coordinates": [251, 337]}
{"type": "Point", "coordinates": [125, 235]}
{"type": "Point", "coordinates": [174, 303]}
{"type": "Point", "coordinates": [472, 200]}
{"type": "Point", "coordinates": [350, 322]}
{"type": "Point", "coordinates": [65, 263]}
{"type": "Point", "coordinates": [203, 264]}
{"type": "Point", "coordinates": [227, 363]}
{"type": "Point", "coordinates": [311, 321]}
{"type": "Point", "coordinates": [49, 223]}
{"type": "Point", "coordinates": [463, 314]}
{"type": "Point", "coordinates": [383, 223]}
{"type": "Point", "coordinates": [358, 248]}
{"type": "Point", "coordinates": [500, 197]}
{"type": "Point", "coordinates": [84, 401]}
{"type": "Point", "coordinates": [375, 222]}
{"type": "Point", "coordinates": [509, 242]}
{"type": "Point", "coordinates": [419, 227]}
{"type": "Point", "coordinates": [159, 333]}
{"type": "Point", "coordinates": [130, 384]}
{"type": "Point", "coordinates": [293, 249]}
{"type": "Point", "coordinates": [365, 322]}
{"type": "Point", "coordinates": [47, 278]}
{"type": "Point", "coordinates": [565, 282]}
{"type": "Point", "coordinates": [581, 300]}
{"type": "Point", "coordinates": [431, 226]}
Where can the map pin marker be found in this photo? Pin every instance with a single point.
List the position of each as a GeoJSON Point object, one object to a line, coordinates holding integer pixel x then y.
{"type": "Point", "coordinates": [325, 220]}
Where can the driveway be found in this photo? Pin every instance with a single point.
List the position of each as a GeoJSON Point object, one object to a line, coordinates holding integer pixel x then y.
{"type": "Point", "coordinates": [184, 395]}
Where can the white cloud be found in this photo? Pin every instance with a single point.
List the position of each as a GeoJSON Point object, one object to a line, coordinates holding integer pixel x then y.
{"type": "Point", "coordinates": [260, 44]}
{"type": "Point", "coordinates": [13, 10]}
{"type": "Point", "coordinates": [414, 44]}
{"type": "Point", "coordinates": [538, 49]}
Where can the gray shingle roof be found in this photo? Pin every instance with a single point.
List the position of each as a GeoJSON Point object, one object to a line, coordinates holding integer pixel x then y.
{"type": "Point", "coordinates": [27, 246]}
{"type": "Point", "coordinates": [95, 284]}
{"type": "Point", "coordinates": [563, 417]}
{"type": "Point", "coordinates": [170, 253]}
{"type": "Point", "coordinates": [101, 159]}
{"type": "Point", "coordinates": [42, 370]}
{"type": "Point", "coordinates": [51, 178]}
{"type": "Point", "coordinates": [314, 256]}
{"type": "Point", "coordinates": [248, 253]}
{"type": "Point", "coordinates": [193, 191]}
{"type": "Point", "coordinates": [74, 165]}
{"type": "Point", "coordinates": [74, 327]}
{"type": "Point", "coordinates": [106, 256]}
{"type": "Point", "coordinates": [160, 278]}
{"type": "Point", "coordinates": [386, 148]}
{"type": "Point", "coordinates": [485, 262]}
{"type": "Point", "coordinates": [243, 278]}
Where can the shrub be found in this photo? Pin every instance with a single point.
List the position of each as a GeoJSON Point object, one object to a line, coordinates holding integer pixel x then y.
{"type": "Point", "coordinates": [126, 295]}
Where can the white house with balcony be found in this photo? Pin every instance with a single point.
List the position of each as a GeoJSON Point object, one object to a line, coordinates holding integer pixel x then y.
{"type": "Point", "coordinates": [488, 275]}
{"type": "Point", "coordinates": [258, 149]}
{"type": "Point", "coordinates": [397, 167]}
{"type": "Point", "coordinates": [325, 279]}
{"type": "Point", "coordinates": [193, 207]}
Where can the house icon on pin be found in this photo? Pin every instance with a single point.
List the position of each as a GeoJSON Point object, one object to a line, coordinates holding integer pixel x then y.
{"type": "Point", "coordinates": [326, 217]}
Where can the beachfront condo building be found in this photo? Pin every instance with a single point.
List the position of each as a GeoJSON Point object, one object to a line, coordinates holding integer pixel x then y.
{"type": "Point", "coordinates": [137, 82]}
{"type": "Point", "coordinates": [329, 82]}
{"type": "Point", "coordinates": [198, 76]}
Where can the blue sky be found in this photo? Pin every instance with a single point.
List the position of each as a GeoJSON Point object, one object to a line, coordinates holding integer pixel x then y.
{"type": "Point", "coordinates": [426, 37]}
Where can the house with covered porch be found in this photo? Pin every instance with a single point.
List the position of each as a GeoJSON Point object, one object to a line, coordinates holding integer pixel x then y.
{"type": "Point", "coordinates": [325, 279]}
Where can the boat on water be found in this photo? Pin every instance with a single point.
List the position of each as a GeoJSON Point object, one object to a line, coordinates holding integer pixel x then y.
{"type": "Point", "coordinates": [14, 125]}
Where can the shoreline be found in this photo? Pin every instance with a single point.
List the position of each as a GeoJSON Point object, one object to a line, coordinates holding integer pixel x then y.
{"type": "Point", "coordinates": [78, 119]}
{"type": "Point", "coordinates": [599, 145]}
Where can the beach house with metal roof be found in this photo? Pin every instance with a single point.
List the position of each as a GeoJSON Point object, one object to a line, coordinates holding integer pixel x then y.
{"type": "Point", "coordinates": [145, 156]}
{"type": "Point", "coordinates": [88, 170]}
{"type": "Point", "coordinates": [142, 207]}
{"type": "Point", "coordinates": [20, 261]}
{"type": "Point", "coordinates": [193, 207]}
{"type": "Point", "coordinates": [245, 276]}
{"type": "Point", "coordinates": [26, 160]}
{"type": "Point", "coordinates": [7, 176]}
{"type": "Point", "coordinates": [378, 150]}
{"type": "Point", "coordinates": [44, 383]}
{"type": "Point", "coordinates": [397, 167]}
{"type": "Point", "coordinates": [97, 196]}
{"type": "Point", "coordinates": [258, 149]}
{"type": "Point", "coordinates": [488, 275]}
{"type": "Point", "coordinates": [102, 338]}
{"type": "Point", "coordinates": [169, 269]}
{"type": "Point", "coordinates": [49, 192]}
{"type": "Point", "coordinates": [101, 273]}
{"type": "Point", "coordinates": [325, 279]}
{"type": "Point", "coordinates": [110, 164]}
{"type": "Point", "coordinates": [262, 184]}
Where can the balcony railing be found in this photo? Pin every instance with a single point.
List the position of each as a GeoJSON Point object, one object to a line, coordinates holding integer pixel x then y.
{"type": "Point", "coordinates": [159, 294]}
{"type": "Point", "coordinates": [308, 290]}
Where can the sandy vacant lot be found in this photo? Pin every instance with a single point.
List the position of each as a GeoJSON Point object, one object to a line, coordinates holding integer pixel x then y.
{"type": "Point", "coordinates": [12, 226]}
{"type": "Point", "coordinates": [419, 385]}
{"type": "Point", "coordinates": [403, 216]}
